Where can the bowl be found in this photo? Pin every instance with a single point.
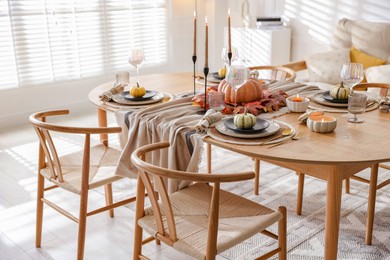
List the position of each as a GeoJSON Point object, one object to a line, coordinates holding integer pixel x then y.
{"type": "Point", "coordinates": [297, 104]}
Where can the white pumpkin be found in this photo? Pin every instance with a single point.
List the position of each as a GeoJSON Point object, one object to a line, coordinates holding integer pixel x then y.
{"type": "Point", "coordinates": [340, 92]}
{"type": "Point", "coordinates": [244, 121]}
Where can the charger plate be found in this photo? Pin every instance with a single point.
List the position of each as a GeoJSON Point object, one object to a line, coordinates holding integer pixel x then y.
{"type": "Point", "coordinates": [124, 101]}
{"type": "Point", "coordinates": [166, 98]}
{"type": "Point", "coordinates": [217, 135]}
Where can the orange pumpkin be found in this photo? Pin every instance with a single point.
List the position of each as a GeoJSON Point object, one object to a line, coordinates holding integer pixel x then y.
{"type": "Point", "coordinates": [252, 90]}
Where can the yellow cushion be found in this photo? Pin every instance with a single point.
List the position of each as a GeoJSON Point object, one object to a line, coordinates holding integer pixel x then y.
{"type": "Point", "coordinates": [358, 56]}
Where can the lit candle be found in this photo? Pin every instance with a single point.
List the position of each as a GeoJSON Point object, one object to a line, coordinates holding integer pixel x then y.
{"type": "Point", "coordinates": [194, 52]}
{"type": "Point", "coordinates": [206, 58]}
{"type": "Point", "coordinates": [297, 98]}
{"type": "Point", "coordinates": [229, 36]}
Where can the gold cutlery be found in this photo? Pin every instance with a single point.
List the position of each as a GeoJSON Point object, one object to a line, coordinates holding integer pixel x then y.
{"type": "Point", "coordinates": [285, 132]}
{"type": "Point", "coordinates": [297, 136]}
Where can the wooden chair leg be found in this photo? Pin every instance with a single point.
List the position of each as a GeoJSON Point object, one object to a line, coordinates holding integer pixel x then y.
{"type": "Point", "coordinates": [139, 213]}
{"type": "Point", "coordinates": [82, 224]}
{"type": "Point", "coordinates": [347, 185]}
{"type": "Point", "coordinates": [257, 175]}
{"type": "Point", "coordinates": [108, 195]}
{"type": "Point", "coordinates": [371, 203]}
{"type": "Point", "coordinates": [39, 213]}
{"type": "Point", "coordinates": [282, 234]}
{"type": "Point", "coordinates": [301, 184]}
{"type": "Point", "coordinates": [208, 158]}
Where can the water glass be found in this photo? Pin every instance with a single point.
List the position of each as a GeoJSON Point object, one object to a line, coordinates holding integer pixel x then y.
{"type": "Point", "coordinates": [216, 100]}
{"type": "Point", "coordinates": [356, 105]}
{"type": "Point", "coordinates": [122, 77]}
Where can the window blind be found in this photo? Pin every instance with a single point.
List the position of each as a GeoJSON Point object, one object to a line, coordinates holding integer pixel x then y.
{"type": "Point", "coordinates": [45, 41]}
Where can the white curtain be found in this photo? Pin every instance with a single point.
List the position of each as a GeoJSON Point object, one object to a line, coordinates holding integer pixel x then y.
{"type": "Point", "coordinates": [44, 41]}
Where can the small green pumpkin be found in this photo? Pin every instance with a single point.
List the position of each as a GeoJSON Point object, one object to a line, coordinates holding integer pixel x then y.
{"type": "Point", "coordinates": [244, 121]}
{"type": "Point", "coordinates": [340, 92]}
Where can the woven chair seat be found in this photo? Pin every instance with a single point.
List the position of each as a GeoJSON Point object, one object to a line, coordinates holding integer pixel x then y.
{"type": "Point", "coordinates": [102, 166]}
{"type": "Point", "coordinates": [239, 219]}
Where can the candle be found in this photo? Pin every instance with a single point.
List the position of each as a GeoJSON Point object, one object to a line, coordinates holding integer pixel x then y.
{"type": "Point", "coordinates": [229, 35]}
{"type": "Point", "coordinates": [321, 124]}
{"type": "Point", "coordinates": [206, 62]}
{"type": "Point", "coordinates": [297, 98]}
{"type": "Point", "coordinates": [194, 52]}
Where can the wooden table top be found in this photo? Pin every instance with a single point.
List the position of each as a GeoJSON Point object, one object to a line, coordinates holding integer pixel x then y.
{"type": "Point", "coordinates": [349, 143]}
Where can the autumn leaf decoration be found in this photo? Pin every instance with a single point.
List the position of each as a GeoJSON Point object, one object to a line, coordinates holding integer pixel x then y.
{"type": "Point", "coordinates": [271, 101]}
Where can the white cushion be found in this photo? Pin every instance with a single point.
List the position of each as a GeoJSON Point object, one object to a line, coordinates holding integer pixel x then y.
{"type": "Point", "coordinates": [321, 85]}
{"type": "Point", "coordinates": [326, 66]}
{"type": "Point", "coordinates": [378, 74]}
{"type": "Point", "coordinates": [371, 37]}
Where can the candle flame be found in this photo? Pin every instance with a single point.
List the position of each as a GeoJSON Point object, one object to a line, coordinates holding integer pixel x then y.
{"type": "Point", "coordinates": [205, 19]}
{"type": "Point", "coordinates": [323, 120]}
{"type": "Point", "coordinates": [194, 14]}
{"type": "Point", "coordinates": [229, 11]}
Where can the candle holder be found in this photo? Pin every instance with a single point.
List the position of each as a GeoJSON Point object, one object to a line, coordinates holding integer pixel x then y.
{"type": "Point", "coordinates": [230, 55]}
{"type": "Point", "coordinates": [205, 72]}
{"type": "Point", "coordinates": [194, 61]}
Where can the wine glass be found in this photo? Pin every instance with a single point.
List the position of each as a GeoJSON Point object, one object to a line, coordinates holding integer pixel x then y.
{"type": "Point", "coordinates": [136, 58]}
{"type": "Point", "coordinates": [225, 58]}
{"type": "Point", "coordinates": [236, 76]}
{"type": "Point", "coordinates": [352, 74]}
{"type": "Point", "coordinates": [356, 105]}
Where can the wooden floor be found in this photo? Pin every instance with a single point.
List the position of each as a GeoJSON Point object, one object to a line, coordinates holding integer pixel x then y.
{"type": "Point", "coordinates": [107, 238]}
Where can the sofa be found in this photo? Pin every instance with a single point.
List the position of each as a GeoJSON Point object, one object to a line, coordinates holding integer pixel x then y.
{"type": "Point", "coordinates": [353, 41]}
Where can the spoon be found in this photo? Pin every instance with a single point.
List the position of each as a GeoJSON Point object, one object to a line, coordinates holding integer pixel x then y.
{"type": "Point", "coordinates": [285, 132]}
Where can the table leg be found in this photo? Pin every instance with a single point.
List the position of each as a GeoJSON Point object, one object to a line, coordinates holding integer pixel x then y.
{"type": "Point", "coordinates": [208, 158]}
{"type": "Point", "coordinates": [371, 203]}
{"type": "Point", "coordinates": [333, 206]}
{"type": "Point", "coordinates": [257, 175]}
{"type": "Point", "coordinates": [102, 121]}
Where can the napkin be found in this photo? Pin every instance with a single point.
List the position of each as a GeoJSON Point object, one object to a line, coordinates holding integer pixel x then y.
{"type": "Point", "coordinates": [116, 89]}
{"type": "Point", "coordinates": [384, 104]}
{"type": "Point", "coordinates": [209, 119]}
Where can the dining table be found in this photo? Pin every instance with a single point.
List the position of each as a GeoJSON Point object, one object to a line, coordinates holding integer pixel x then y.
{"type": "Point", "coordinates": [332, 157]}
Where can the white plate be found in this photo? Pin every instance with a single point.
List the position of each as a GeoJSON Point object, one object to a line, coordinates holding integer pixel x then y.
{"type": "Point", "coordinates": [121, 100]}
{"type": "Point", "coordinates": [273, 128]}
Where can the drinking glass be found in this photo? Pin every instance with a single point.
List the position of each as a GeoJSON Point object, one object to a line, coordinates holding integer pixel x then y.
{"type": "Point", "coordinates": [236, 76]}
{"type": "Point", "coordinates": [136, 58]}
{"type": "Point", "coordinates": [356, 105]}
{"type": "Point", "coordinates": [216, 100]}
{"type": "Point", "coordinates": [225, 57]}
{"type": "Point", "coordinates": [352, 74]}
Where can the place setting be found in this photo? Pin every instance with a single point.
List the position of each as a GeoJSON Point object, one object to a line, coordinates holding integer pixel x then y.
{"type": "Point", "coordinates": [136, 95]}
{"type": "Point", "coordinates": [336, 99]}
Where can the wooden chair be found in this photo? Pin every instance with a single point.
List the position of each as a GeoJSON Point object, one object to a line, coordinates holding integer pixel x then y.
{"type": "Point", "coordinates": [200, 220]}
{"type": "Point", "coordinates": [76, 172]}
{"type": "Point", "coordinates": [374, 186]}
{"type": "Point", "coordinates": [279, 73]}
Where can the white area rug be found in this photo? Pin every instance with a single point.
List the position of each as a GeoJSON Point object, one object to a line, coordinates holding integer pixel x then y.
{"type": "Point", "coordinates": [306, 232]}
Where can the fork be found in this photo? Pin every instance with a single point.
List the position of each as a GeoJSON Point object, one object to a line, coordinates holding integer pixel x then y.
{"type": "Point", "coordinates": [297, 136]}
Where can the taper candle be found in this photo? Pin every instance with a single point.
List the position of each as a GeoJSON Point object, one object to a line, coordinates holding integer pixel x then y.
{"type": "Point", "coordinates": [206, 62]}
{"type": "Point", "coordinates": [194, 52]}
{"type": "Point", "coordinates": [229, 35]}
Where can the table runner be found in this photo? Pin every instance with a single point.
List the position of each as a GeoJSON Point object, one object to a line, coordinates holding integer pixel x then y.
{"type": "Point", "coordinates": [174, 122]}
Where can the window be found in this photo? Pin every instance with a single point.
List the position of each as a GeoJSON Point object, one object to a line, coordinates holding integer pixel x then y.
{"type": "Point", "coordinates": [46, 41]}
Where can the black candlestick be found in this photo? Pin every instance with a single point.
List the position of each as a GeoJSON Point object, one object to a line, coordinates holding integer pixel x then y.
{"type": "Point", "coordinates": [205, 72]}
{"type": "Point", "coordinates": [194, 61]}
{"type": "Point", "coordinates": [230, 55]}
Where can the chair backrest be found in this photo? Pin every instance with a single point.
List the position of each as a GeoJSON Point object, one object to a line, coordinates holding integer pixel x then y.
{"type": "Point", "coordinates": [383, 87]}
{"type": "Point", "coordinates": [273, 73]}
{"type": "Point", "coordinates": [48, 154]}
{"type": "Point", "coordinates": [148, 172]}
